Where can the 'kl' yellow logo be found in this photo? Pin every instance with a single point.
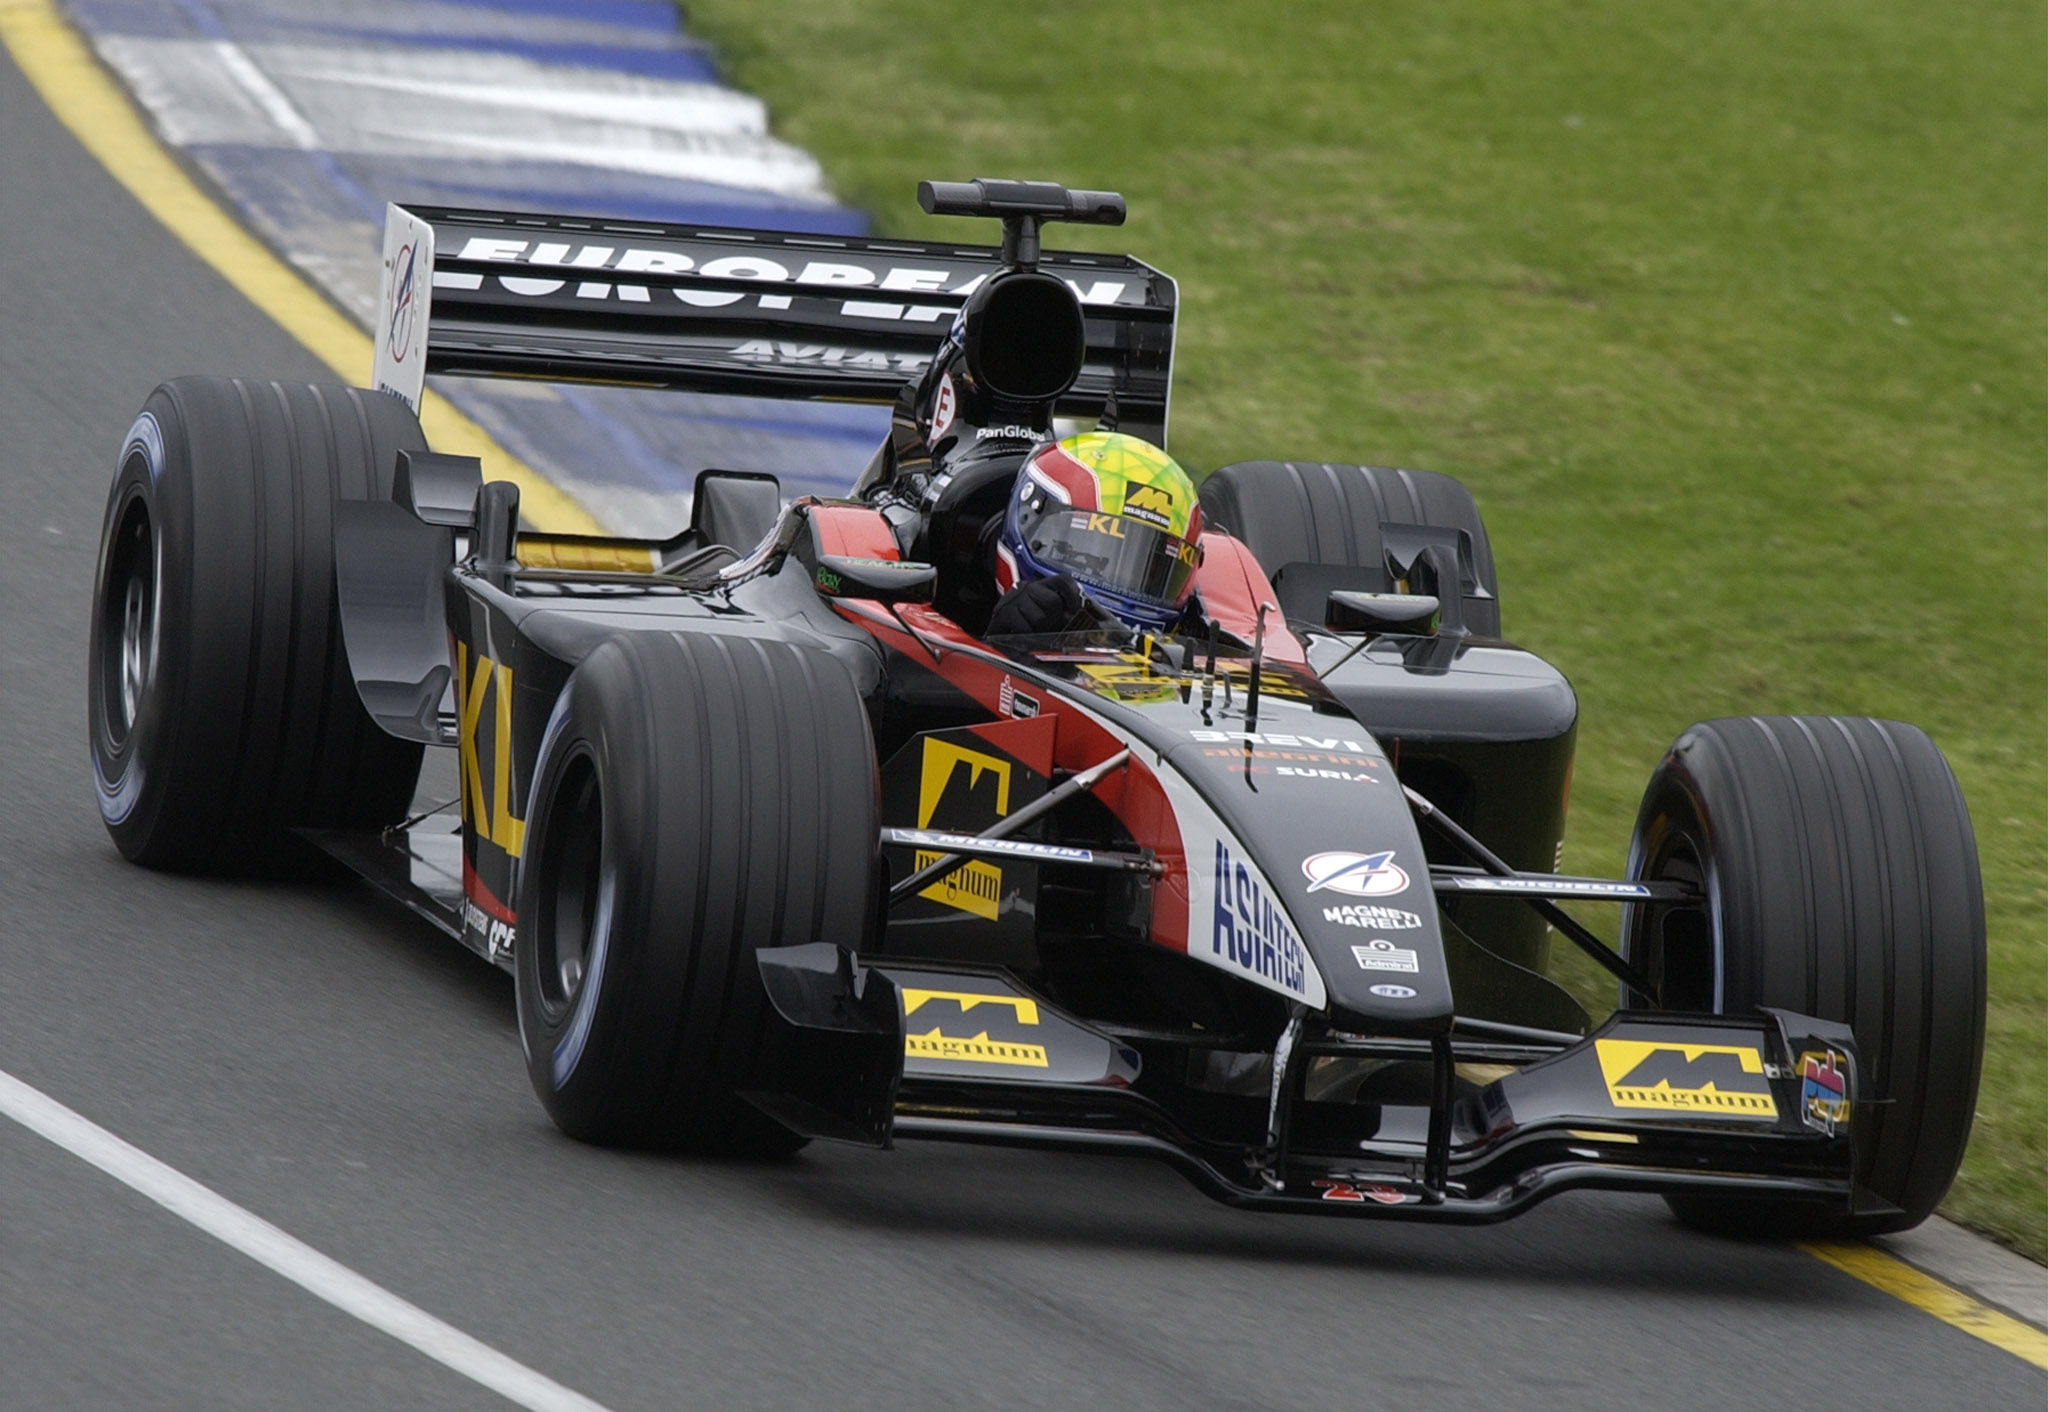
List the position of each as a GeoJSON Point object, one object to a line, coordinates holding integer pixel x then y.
{"type": "Point", "coordinates": [494, 682]}
{"type": "Point", "coordinates": [975, 886]}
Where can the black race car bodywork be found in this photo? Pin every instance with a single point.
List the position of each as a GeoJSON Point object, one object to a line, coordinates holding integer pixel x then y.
{"type": "Point", "coordinates": [1268, 900]}
{"type": "Point", "coordinates": [780, 844]}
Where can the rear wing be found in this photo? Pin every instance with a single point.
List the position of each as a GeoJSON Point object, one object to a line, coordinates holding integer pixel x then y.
{"type": "Point", "coordinates": [754, 313]}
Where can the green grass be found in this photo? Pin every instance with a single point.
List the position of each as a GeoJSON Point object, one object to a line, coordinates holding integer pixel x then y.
{"type": "Point", "coordinates": [1731, 316]}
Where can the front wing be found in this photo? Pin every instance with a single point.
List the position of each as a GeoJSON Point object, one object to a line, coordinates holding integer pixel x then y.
{"type": "Point", "coordinates": [1472, 1127]}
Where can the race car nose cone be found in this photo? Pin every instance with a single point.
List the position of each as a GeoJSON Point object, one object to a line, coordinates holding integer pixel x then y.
{"type": "Point", "coordinates": [1329, 830]}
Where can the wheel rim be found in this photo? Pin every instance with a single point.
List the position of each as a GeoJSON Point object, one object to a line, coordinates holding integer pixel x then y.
{"type": "Point", "coordinates": [129, 599]}
{"type": "Point", "coordinates": [569, 929]}
{"type": "Point", "coordinates": [1677, 943]}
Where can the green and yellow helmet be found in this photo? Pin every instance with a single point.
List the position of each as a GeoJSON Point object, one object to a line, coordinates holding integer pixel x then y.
{"type": "Point", "coordinates": [1116, 513]}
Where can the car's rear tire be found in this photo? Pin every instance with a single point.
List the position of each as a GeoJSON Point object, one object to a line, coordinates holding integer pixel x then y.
{"type": "Point", "coordinates": [1328, 517]}
{"type": "Point", "coordinates": [1315, 527]}
{"type": "Point", "coordinates": [697, 798]}
{"type": "Point", "coordinates": [222, 714]}
{"type": "Point", "coordinates": [1840, 872]}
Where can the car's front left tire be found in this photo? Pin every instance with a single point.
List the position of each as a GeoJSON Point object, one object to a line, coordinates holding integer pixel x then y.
{"type": "Point", "coordinates": [697, 798]}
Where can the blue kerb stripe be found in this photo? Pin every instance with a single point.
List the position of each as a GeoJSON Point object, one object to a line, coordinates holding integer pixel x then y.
{"type": "Point", "coordinates": [783, 426]}
{"type": "Point", "coordinates": [658, 16]}
{"type": "Point", "coordinates": [622, 435]}
{"type": "Point", "coordinates": [648, 61]}
{"type": "Point", "coordinates": [202, 18]}
{"type": "Point", "coordinates": [282, 187]}
{"type": "Point", "coordinates": [294, 196]}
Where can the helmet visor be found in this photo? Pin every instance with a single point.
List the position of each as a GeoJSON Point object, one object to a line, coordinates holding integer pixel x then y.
{"type": "Point", "coordinates": [1114, 553]}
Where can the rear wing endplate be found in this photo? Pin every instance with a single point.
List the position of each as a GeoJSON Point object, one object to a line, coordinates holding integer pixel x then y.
{"type": "Point", "coordinates": [753, 313]}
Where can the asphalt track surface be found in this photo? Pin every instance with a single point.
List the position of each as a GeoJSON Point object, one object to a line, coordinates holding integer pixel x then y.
{"type": "Point", "coordinates": [352, 1077]}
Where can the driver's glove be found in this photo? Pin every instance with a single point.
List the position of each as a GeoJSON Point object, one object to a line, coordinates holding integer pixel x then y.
{"type": "Point", "coordinates": [1042, 607]}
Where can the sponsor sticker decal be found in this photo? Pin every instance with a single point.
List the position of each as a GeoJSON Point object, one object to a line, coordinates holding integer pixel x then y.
{"type": "Point", "coordinates": [1392, 992]}
{"type": "Point", "coordinates": [1824, 1090]}
{"type": "Point", "coordinates": [486, 804]}
{"type": "Point", "coordinates": [1373, 918]}
{"type": "Point", "coordinates": [944, 405]}
{"type": "Point", "coordinates": [1300, 772]}
{"type": "Point", "coordinates": [1254, 760]}
{"type": "Point", "coordinates": [1128, 680]}
{"type": "Point", "coordinates": [837, 274]}
{"type": "Point", "coordinates": [1150, 503]}
{"type": "Point", "coordinates": [1006, 1012]}
{"type": "Point", "coordinates": [1024, 848]}
{"type": "Point", "coordinates": [404, 308]}
{"type": "Point", "coordinates": [1012, 702]}
{"type": "Point", "coordinates": [768, 350]}
{"type": "Point", "coordinates": [1553, 887]}
{"type": "Point", "coordinates": [1323, 744]}
{"type": "Point", "coordinates": [1725, 1079]}
{"type": "Point", "coordinates": [1355, 874]}
{"type": "Point", "coordinates": [498, 934]}
{"type": "Point", "coordinates": [1251, 928]}
{"type": "Point", "coordinates": [1364, 1191]}
{"type": "Point", "coordinates": [1379, 954]}
{"type": "Point", "coordinates": [976, 886]}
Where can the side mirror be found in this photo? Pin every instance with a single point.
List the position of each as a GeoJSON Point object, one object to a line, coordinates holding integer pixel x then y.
{"type": "Point", "coordinates": [1414, 614]}
{"type": "Point", "coordinates": [886, 580]}
{"type": "Point", "coordinates": [494, 538]}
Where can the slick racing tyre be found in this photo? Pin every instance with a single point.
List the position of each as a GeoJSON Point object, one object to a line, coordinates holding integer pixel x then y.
{"type": "Point", "coordinates": [696, 798]}
{"type": "Point", "coordinates": [1840, 876]}
{"type": "Point", "coordinates": [1302, 519]}
{"type": "Point", "coordinates": [221, 711]}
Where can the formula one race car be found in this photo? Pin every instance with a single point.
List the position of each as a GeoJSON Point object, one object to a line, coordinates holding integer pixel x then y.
{"type": "Point", "coordinates": [780, 844]}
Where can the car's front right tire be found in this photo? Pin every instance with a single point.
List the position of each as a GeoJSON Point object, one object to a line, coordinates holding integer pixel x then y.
{"type": "Point", "coordinates": [1839, 876]}
{"type": "Point", "coordinates": [221, 712]}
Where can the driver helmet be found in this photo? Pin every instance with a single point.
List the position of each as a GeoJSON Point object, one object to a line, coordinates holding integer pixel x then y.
{"type": "Point", "coordinates": [1116, 513]}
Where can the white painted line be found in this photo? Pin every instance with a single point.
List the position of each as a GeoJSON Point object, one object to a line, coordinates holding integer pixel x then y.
{"type": "Point", "coordinates": [1975, 1265]}
{"type": "Point", "coordinates": [679, 107]}
{"type": "Point", "coordinates": [380, 102]}
{"type": "Point", "coordinates": [266, 95]}
{"type": "Point", "coordinates": [294, 1259]}
{"type": "Point", "coordinates": [724, 159]}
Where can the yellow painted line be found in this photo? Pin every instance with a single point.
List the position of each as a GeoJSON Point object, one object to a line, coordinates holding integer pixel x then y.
{"type": "Point", "coordinates": [1900, 1280]}
{"type": "Point", "coordinates": [53, 57]}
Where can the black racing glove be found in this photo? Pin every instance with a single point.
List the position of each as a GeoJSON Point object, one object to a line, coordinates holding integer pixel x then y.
{"type": "Point", "coordinates": [1042, 607]}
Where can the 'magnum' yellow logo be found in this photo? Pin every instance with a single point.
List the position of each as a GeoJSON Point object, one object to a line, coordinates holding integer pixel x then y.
{"type": "Point", "coordinates": [977, 885]}
{"type": "Point", "coordinates": [1690, 1078]}
{"type": "Point", "coordinates": [979, 1048]}
{"type": "Point", "coordinates": [1149, 502]}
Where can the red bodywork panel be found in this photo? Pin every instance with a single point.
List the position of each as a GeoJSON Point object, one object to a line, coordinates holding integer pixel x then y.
{"type": "Point", "coordinates": [1232, 586]}
{"type": "Point", "coordinates": [853, 530]}
{"type": "Point", "coordinates": [1133, 794]}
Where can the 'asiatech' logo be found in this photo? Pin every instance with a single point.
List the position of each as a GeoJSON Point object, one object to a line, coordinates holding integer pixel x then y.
{"type": "Point", "coordinates": [1252, 929]}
